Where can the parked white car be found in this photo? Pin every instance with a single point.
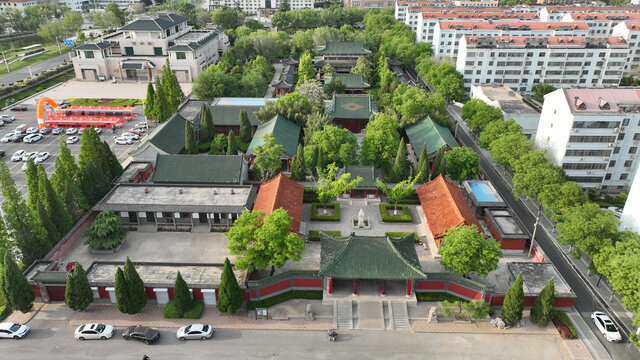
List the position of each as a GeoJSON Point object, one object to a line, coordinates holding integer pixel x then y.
{"type": "Point", "coordinates": [124, 140]}
{"type": "Point", "coordinates": [57, 131]}
{"type": "Point", "coordinates": [98, 131]}
{"type": "Point", "coordinates": [32, 130]}
{"type": "Point", "coordinates": [9, 330]}
{"type": "Point", "coordinates": [195, 332]}
{"type": "Point", "coordinates": [29, 155]}
{"type": "Point", "coordinates": [33, 138]}
{"type": "Point", "coordinates": [130, 135]}
{"type": "Point", "coordinates": [17, 156]}
{"type": "Point", "coordinates": [73, 139]}
{"type": "Point", "coordinates": [606, 326]}
{"type": "Point", "coordinates": [6, 118]}
{"type": "Point", "coordinates": [41, 157]}
{"type": "Point", "coordinates": [7, 138]}
{"type": "Point", "coordinates": [94, 332]}
{"type": "Point", "coordinates": [71, 131]}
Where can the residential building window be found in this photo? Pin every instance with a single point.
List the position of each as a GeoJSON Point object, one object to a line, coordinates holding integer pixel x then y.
{"type": "Point", "coordinates": [628, 163]}
{"type": "Point", "coordinates": [607, 177]}
{"type": "Point", "coordinates": [612, 163]}
{"type": "Point", "coordinates": [636, 136]}
{"type": "Point", "coordinates": [616, 150]}
{"type": "Point", "coordinates": [128, 50]}
{"type": "Point", "coordinates": [88, 54]}
{"type": "Point", "coordinates": [181, 55]}
{"type": "Point", "coordinates": [157, 51]}
{"type": "Point", "coordinates": [621, 136]}
{"type": "Point", "coordinates": [624, 176]}
{"type": "Point", "coordinates": [633, 149]}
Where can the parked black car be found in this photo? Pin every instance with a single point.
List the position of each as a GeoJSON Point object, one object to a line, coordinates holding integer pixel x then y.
{"type": "Point", "coordinates": [2, 153]}
{"type": "Point", "coordinates": [141, 333]}
{"type": "Point", "coordinates": [20, 108]}
{"type": "Point", "coordinates": [18, 137]}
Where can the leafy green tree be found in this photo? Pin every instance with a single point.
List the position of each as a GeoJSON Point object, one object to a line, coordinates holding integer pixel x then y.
{"type": "Point", "coordinates": [298, 168]}
{"type": "Point", "coordinates": [149, 101]}
{"type": "Point", "coordinates": [232, 147]}
{"type": "Point", "coordinates": [509, 148]}
{"type": "Point", "coordinates": [399, 171]}
{"type": "Point", "coordinates": [72, 21]}
{"type": "Point", "coordinates": [260, 241]}
{"type": "Point", "coordinates": [26, 231]}
{"type": "Point", "coordinates": [121, 290]}
{"type": "Point", "coordinates": [478, 114]}
{"type": "Point", "coordinates": [337, 145]}
{"type": "Point", "coordinates": [315, 122]}
{"type": "Point", "coordinates": [295, 107]}
{"type": "Point", "coordinates": [362, 67]}
{"type": "Point", "coordinates": [51, 29]}
{"type": "Point", "coordinates": [105, 231]}
{"type": "Point", "coordinates": [171, 87]}
{"type": "Point", "coordinates": [181, 296]}
{"type": "Point", "coordinates": [190, 143]}
{"type": "Point", "coordinates": [114, 14]}
{"type": "Point", "coordinates": [53, 205]}
{"type": "Point", "coordinates": [32, 186]}
{"type": "Point", "coordinates": [477, 309]}
{"type": "Point", "coordinates": [90, 151]}
{"type": "Point", "coordinates": [544, 306]}
{"type": "Point", "coordinates": [381, 140]}
{"type": "Point", "coordinates": [313, 91]}
{"type": "Point", "coordinates": [400, 191]}
{"type": "Point", "coordinates": [436, 107]}
{"type": "Point", "coordinates": [462, 163]}
{"type": "Point", "coordinates": [267, 158]}
{"type": "Point", "coordinates": [16, 290]}
{"type": "Point", "coordinates": [207, 127]}
{"type": "Point", "coordinates": [52, 234]}
{"type": "Point", "coordinates": [245, 126]}
{"type": "Point", "coordinates": [161, 104]}
{"type": "Point", "coordinates": [558, 197]}
{"type": "Point", "coordinates": [439, 164]}
{"type": "Point", "coordinates": [137, 294]}
{"type": "Point", "coordinates": [93, 183]}
{"type": "Point", "coordinates": [497, 129]}
{"type": "Point", "coordinates": [78, 294]}
{"type": "Point", "coordinates": [464, 250]}
{"type": "Point", "coordinates": [542, 89]}
{"type": "Point", "coordinates": [513, 305]}
{"type": "Point", "coordinates": [65, 186]}
{"type": "Point", "coordinates": [587, 227]}
{"type": "Point", "coordinates": [423, 166]}
{"type": "Point", "coordinates": [229, 293]}
{"type": "Point", "coordinates": [228, 18]}
{"type": "Point", "coordinates": [532, 172]}
{"type": "Point", "coordinates": [334, 86]}
{"type": "Point", "coordinates": [447, 81]}
{"type": "Point", "coordinates": [218, 145]}
{"type": "Point", "coordinates": [327, 69]}
{"type": "Point", "coordinates": [330, 187]}
{"type": "Point", "coordinates": [112, 164]}
{"type": "Point", "coordinates": [306, 71]}
{"type": "Point", "coordinates": [411, 103]}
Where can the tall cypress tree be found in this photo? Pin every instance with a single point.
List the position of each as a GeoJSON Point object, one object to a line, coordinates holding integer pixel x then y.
{"type": "Point", "coordinates": [78, 294]}
{"type": "Point", "coordinates": [207, 127]}
{"type": "Point", "coordinates": [313, 161]}
{"type": "Point", "coordinates": [161, 105]}
{"type": "Point", "coordinates": [90, 150]}
{"type": "Point", "coordinates": [53, 236]}
{"type": "Point", "coordinates": [54, 206]}
{"type": "Point", "coordinates": [232, 147]}
{"type": "Point", "coordinates": [423, 165]}
{"type": "Point", "coordinates": [32, 186]}
{"type": "Point", "coordinates": [190, 144]}
{"type": "Point", "coordinates": [320, 165]}
{"type": "Point", "coordinates": [25, 230]}
{"type": "Point", "coordinates": [438, 164]}
{"type": "Point", "coordinates": [181, 296]}
{"type": "Point", "coordinates": [137, 293]}
{"type": "Point", "coordinates": [112, 165]}
{"type": "Point", "coordinates": [512, 306]}
{"type": "Point", "coordinates": [229, 293]}
{"type": "Point", "coordinates": [67, 189]}
{"type": "Point", "coordinates": [149, 101]}
{"type": "Point", "coordinates": [121, 289]}
{"type": "Point", "coordinates": [245, 126]}
{"type": "Point", "coordinates": [544, 306]}
{"type": "Point", "coordinates": [66, 159]}
{"type": "Point", "coordinates": [93, 183]}
{"type": "Point", "coordinates": [298, 168]}
{"type": "Point", "coordinates": [399, 171]}
{"type": "Point", "coordinates": [171, 87]}
{"type": "Point", "coordinates": [16, 290]}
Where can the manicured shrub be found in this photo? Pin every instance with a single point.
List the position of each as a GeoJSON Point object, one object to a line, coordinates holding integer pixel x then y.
{"type": "Point", "coordinates": [316, 217]}
{"type": "Point", "coordinates": [405, 218]}
{"type": "Point", "coordinates": [285, 296]}
{"type": "Point", "coordinates": [195, 312]}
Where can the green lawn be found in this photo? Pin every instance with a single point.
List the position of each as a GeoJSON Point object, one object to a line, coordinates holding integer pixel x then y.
{"type": "Point", "coordinates": [104, 102]}
{"type": "Point", "coordinates": [40, 87]}
{"type": "Point", "coordinates": [51, 52]}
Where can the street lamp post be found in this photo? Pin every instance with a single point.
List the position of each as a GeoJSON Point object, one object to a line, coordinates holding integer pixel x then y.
{"type": "Point", "coordinates": [58, 44]}
{"type": "Point", "coordinates": [535, 229]}
{"type": "Point", "coordinates": [5, 61]}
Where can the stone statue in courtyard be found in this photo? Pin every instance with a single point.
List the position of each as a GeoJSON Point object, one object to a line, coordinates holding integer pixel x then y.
{"type": "Point", "coordinates": [361, 218]}
{"type": "Point", "coordinates": [309, 314]}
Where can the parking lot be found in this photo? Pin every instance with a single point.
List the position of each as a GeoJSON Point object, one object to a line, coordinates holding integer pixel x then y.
{"type": "Point", "coordinates": [50, 142]}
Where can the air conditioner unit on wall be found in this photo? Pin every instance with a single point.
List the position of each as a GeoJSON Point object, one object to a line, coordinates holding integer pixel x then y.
{"type": "Point", "coordinates": [610, 144]}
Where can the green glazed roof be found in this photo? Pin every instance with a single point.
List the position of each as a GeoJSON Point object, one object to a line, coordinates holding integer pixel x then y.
{"type": "Point", "coordinates": [368, 173]}
{"type": "Point", "coordinates": [369, 257]}
{"type": "Point", "coordinates": [286, 133]}
{"type": "Point", "coordinates": [226, 114]}
{"type": "Point", "coordinates": [169, 137]}
{"type": "Point", "coordinates": [343, 48]}
{"type": "Point", "coordinates": [350, 106]}
{"type": "Point", "coordinates": [350, 81]}
{"type": "Point", "coordinates": [427, 131]}
{"type": "Point", "coordinates": [198, 169]}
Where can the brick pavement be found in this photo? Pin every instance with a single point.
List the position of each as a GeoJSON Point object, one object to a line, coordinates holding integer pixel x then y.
{"type": "Point", "coordinates": [23, 318]}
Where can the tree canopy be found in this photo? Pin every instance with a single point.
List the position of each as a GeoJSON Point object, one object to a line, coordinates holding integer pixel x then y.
{"type": "Point", "coordinates": [381, 140]}
{"type": "Point", "coordinates": [267, 158]}
{"type": "Point", "coordinates": [338, 145]}
{"type": "Point", "coordinates": [464, 250]}
{"type": "Point", "coordinates": [462, 163]}
{"type": "Point", "coordinates": [330, 186]}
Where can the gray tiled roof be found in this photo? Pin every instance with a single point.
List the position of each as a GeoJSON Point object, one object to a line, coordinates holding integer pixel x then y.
{"type": "Point", "coordinates": [160, 23]}
{"type": "Point", "coordinates": [94, 46]}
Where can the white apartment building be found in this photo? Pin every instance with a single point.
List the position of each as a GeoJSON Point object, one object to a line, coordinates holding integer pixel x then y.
{"type": "Point", "coordinates": [122, 4]}
{"type": "Point", "coordinates": [630, 32]}
{"type": "Point", "coordinates": [556, 13]}
{"type": "Point", "coordinates": [251, 7]}
{"type": "Point", "coordinates": [630, 218]}
{"type": "Point", "coordinates": [401, 7]}
{"type": "Point", "coordinates": [139, 49]}
{"type": "Point", "coordinates": [594, 135]}
{"type": "Point", "coordinates": [521, 62]}
{"type": "Point", "coordinates": [447, 34]}
{"type": "Point", "coordinates": [601, 24]}
{"type": "Point", "coordinates": [425, 28]}
{"type": "Point", "coordinates": [18, 4]}
{"type": "Point", "coordinates": [474, 3]}
{"type": "Point", "coordinates": [512, 104]}
{"type": "Point", "coordinates": [75, 5]}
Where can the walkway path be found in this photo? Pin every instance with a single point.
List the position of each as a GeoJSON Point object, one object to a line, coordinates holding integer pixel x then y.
{"type": "Point", "coordinates": [276, 76]}
{"type": "Point", "coordinates": [23, 73]}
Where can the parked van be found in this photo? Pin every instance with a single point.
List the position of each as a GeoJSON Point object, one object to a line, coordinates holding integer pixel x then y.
{"type": "Point", "coordinates": [21, 129]}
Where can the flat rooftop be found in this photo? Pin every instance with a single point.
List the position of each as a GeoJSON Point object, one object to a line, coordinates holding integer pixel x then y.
{"type": "Point", "coordinates": [507, 224]}
{"type": "Point", "coordinates": [164, 274]}
{"type": "Point", "coordinates": [510, 101]}
{"type": "Point", "coordinates": [483, 193]}
{"type": "Point", "coordinates": [193, 35]}
{"type": "Point", "coordinates": [535, 276]}
{"type": "Point", "coordinates": [177, 198]}
{"type": "Point", "coordinates": [132, 169]}
{"type": "Point", "coordinates": [231, 101]}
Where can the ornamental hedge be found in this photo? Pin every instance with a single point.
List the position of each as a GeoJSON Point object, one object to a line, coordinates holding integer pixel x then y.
{"type": "Point", "coordinates": [405, 218]}
{"type": "Point", "coordinates": [316, 217]}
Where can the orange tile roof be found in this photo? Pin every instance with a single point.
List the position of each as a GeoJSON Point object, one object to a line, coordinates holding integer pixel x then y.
{"type": "Point", "coordinates": [604, 16]}
{"type": "Point", "coordinates": [632, 25]}
{"type": "Point", "coordinates": [465, 9]}
{"type": "Point", "coordinates": [473, 15]}
{"type": "Point", "coordinates": [281, 192]}
{"type": "Point", "coordinates": [533, 25]}
{"type": "Point", "coordinates": [594, 9]}
{"type": "Point", "coordinates": [564, 41]}
{"type": "Point", "coordinates": [444, 207]}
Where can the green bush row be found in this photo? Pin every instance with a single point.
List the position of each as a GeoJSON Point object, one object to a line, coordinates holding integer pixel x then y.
{"type": "Point", "coordinates": [409, 201]}
{"type": "Point", "coordinates": [195, 312]}
{"type": "Point", "coordinates": [280, 298]}
{"type": "Point", "coordinates": [314, 235]}
{"type": "Point", "coordinates": [436, 297]}
{"type": "Point", "coordinates": [316, 217]}
{"type": "Point", "coordinates": [5, 311]}
{"type": "Point", "coordinates": [405, 218]}
{"type": "Point", "coordinates": [563, 318]}
{"type": "Point", "coordinates": [403, 234]}
{"type": "Point", "coordinates": [204, 146]}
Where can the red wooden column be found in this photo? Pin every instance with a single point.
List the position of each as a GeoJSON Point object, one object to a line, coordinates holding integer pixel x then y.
{"type": "Point", "coordinates": [408, 287]}
{"type": "Point", "coordinates": [355, 291]}
{"type": "Point", "coordinates": [330, 286]}
{"type": "Point", "coordinates": [382, 286]}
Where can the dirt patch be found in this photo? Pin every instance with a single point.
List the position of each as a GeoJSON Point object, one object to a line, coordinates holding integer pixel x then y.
{"type": "Point", "coordinates": [399, 214]}
{"type": "Point", "coordinates": [320, 211]}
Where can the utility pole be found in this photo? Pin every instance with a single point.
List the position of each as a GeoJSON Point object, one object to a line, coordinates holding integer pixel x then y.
{"type": "Point", "coordinates": [5, 61]}
{"type": "Point", "coordinates": [535, 229]}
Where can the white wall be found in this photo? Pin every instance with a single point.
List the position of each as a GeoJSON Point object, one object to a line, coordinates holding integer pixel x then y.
{"type": "Point", "coordinates": [631, 212]}
{"type": "Point", "coordinates": [555, 125]}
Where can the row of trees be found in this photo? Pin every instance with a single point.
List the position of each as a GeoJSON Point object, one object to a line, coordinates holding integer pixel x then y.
{"type": "Point", "coordinates": [332, 17]}
{"type": "Point", "coordinates": [163, 101]}
{"type": "Point", "coordinates": [250, 78]}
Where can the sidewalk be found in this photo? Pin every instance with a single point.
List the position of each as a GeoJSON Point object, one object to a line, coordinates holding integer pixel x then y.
{"type": "Point", "coordinates": [276, 77]}
{"type": "Point", "coordinates": [588, 337]}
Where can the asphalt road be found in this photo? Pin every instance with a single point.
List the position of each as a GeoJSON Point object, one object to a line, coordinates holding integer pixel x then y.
{"type": "Point", "coordinates": [50, 142]}
{"type": "Point", "coordinates": [586, 302]}
{"type": "Point", "coordinates": [23, 73]}
{"type": "Point", "coordinates": [53, 340]}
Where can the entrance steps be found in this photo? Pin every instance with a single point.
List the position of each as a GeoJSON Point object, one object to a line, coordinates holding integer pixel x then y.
{"type": "Point", "coordinates": [343, 314]}
{"type": "Point", "coordinates": [399, 315]}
